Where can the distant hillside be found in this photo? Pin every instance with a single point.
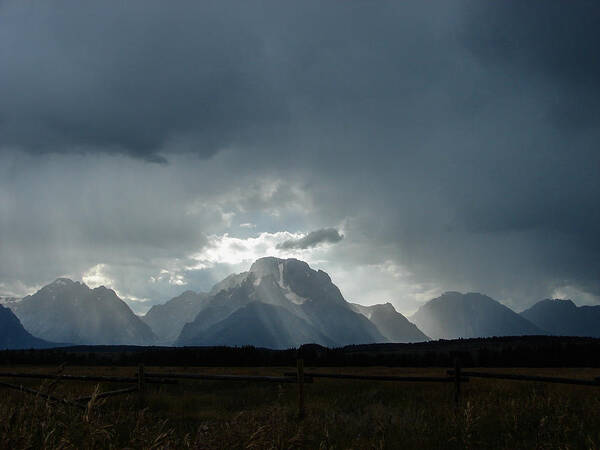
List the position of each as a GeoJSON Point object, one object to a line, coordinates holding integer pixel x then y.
{"type": "Point", "coordinates": [454, 315]}
{"type": "Point", "coordinates": [393, 325]}
{"type": "Point", "coordinates": [67, 311]}
{"type": "Point", "coordinates": [563, 317]}
{"type": "Point", "coordinates": [167, 320]}
{"type": "Point", "coordinates": [14, 336]}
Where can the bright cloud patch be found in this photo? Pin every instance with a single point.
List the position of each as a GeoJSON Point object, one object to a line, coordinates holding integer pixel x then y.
{"type": "Point", "coordinates": [175, 279]}
{"type": "Point", "coordinates": [573, 293]}
{"type": "Point", "coordinates": [96, 276]}
{"type": "Point", "coordinates": [226, 249]}
{"type": "Point", "coordinates": [385, 282]}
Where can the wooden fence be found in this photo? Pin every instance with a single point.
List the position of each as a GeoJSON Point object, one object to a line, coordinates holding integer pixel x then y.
{"type": "Point", "coordinates": [515, 377]}
{"type": "Point", "coordinates": [457, 376]}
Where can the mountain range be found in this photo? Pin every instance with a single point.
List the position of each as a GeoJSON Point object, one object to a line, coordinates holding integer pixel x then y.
{"type": "Point", "coordinates": [278, 303]}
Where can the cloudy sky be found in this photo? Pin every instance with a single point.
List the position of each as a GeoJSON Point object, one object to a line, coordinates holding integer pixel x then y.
{"type": "Point", "coordinates": [407, 148]}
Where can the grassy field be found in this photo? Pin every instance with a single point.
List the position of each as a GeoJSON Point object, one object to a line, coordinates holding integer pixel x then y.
{"type": "Point", "coordinates": [339, 413]}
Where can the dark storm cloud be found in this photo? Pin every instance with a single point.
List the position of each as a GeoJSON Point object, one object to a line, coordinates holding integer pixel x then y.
{"type": "Point", "coordinates": [546, 52]}
{"type": "Point", "coordinates": [551, 40]}
{"type": "Point", "coordinates": [149, 80]}
{"type": "Point", "coordinates": [131, 77]}
{"type": "Point", "coordinates": [457, 139]}
{"type": "Point", "coordinates": [556, 38]}
{"type": "Point", "coordinates": [313, 239]}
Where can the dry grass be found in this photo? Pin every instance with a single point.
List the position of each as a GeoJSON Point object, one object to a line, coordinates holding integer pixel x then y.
{"type": "Point", "coordinates": [340, 414]}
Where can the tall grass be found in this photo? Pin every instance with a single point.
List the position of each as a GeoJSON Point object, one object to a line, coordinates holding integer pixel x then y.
{"type": "Point", "coordinates": [340, 414]}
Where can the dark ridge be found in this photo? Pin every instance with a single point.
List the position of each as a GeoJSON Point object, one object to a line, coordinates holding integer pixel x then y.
{"type": "Point", "coordinates": [506, 351]}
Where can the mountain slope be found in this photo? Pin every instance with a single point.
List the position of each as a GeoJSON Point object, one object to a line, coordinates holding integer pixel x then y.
{"type": "Point", "coordinates": [290, 284]}
{"type": "Point", "coordinates": [167, 320]}
{"type": "Point", "coordinates": [261, 325]}
{"type": "Point", "coordinates": [393, 325]}
{"type": "Point", "coordinates": [454, 315]}
{"type": "Point", "coordinates": [67, 311]}
{"type": "Point", "coordinates": [14, 336]}
{"type": "Point", "coordinates": [563, 317]}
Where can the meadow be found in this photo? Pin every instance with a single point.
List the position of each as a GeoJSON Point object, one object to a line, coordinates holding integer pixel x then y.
{"type": "Point", "coordinates": [340, 414]}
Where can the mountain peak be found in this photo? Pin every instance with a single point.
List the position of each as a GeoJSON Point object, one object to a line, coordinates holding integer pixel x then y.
{"type": "Point", "coordinates": [457, 294]}
{"type": "Point", "coordinates": [104, 290]}
{"type": "Point", "coordinates": [270, 265]}
{"type": "Point", "coordinates": [385, 307]}
{"type": "Point", "coordinates": [168, 319]}
{"type": "Point", "coordinates": [454, 315]}
{"type": "Point", "coordinates": [559, 301]}
{"type": "Point", "coordinates": [451, 294]}
{"type": "Point", "coordinates": [59, 282]}
{"type": "Point", "coordinates": [563, 317]}
{"type": "Point", "coordinates": [392, 324]}
{"type": "Point", "coordinates": [69, 311]}
{"type": "Point", "coordinates": [458, 298]}
{"type": "Point", "coordinates": [301, 298]}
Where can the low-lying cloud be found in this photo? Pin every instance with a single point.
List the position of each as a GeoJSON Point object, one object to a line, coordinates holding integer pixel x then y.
{"type": "Point", "coordinates": [313, 239]}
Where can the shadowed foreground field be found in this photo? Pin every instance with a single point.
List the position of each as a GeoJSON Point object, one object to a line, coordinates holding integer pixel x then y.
{"type": "Point", "coordinates": [340, 413]}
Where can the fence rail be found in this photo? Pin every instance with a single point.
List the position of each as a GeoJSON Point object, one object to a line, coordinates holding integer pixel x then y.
{"type": "Point", "coordinates": [39, 394]}
{"type": "Point", "coordinates": [107, 394]}
{"type": "Point", "coordinates": [380, 377]}
{"type": "Point", "coordinates": [516, 377]}
{"type": "Point", "coordinates": [456, 376]}
{"type": "Point", "coordinates": [103, 379]}
{"type": "Point", "coordinates": [192, 376]}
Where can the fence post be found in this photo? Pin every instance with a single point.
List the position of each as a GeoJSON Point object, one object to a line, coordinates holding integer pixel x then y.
{"type": "Point", "coordinates": [141, 382]}
{"type": "Point", "coordinates": [457, 377]}
{"type": "Point", "coordinates": [300, 381]}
